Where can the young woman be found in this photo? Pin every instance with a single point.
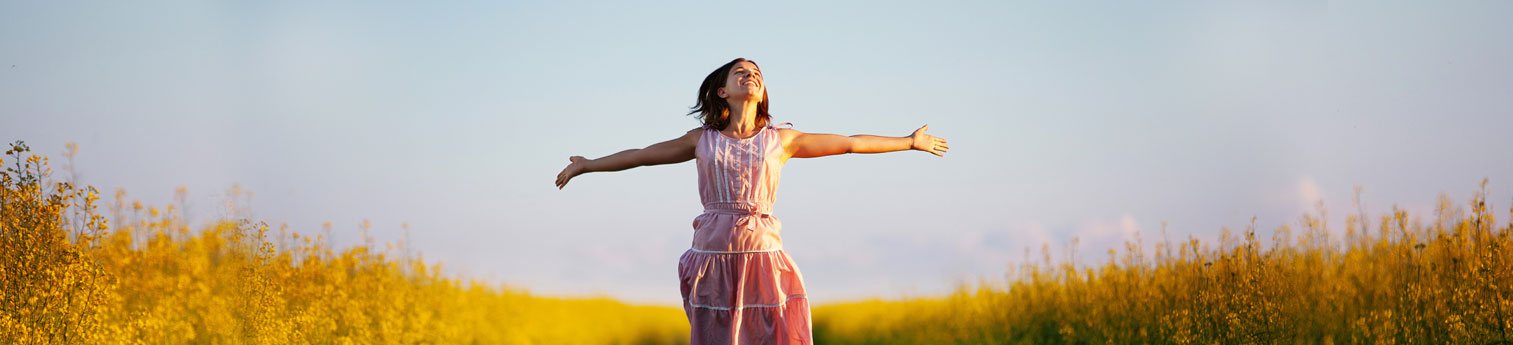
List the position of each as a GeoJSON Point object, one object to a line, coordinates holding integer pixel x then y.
{"type": "Point", "coordinates": [739, 286]}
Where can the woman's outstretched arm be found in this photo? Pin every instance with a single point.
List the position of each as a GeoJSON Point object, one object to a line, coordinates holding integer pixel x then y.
{"type": "Point", "coordinates": [677, 150]}
{"type": "Point", "coordinates": [807, 145]}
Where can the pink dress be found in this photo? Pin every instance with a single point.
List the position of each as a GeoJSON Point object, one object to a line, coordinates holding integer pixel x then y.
{"type": "Point", "coordinates": [739, 286]}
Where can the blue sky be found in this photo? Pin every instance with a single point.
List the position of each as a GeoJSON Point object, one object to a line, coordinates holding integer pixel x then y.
{"type": "Point", "coordinates": [1098, 120]}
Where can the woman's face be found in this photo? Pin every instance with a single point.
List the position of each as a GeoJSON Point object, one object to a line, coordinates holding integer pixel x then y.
{"type": "Point", "coordinates": [743, 83]}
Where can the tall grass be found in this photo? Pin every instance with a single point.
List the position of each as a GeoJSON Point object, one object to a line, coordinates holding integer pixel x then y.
{"type": "Point", "coordinates": [1394, 281]}
{"type": "Point", "coordinates": [69, 276]}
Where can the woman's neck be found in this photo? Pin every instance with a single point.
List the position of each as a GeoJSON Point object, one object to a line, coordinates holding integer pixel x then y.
{"type": "Point", "coordinates": [743, 117]}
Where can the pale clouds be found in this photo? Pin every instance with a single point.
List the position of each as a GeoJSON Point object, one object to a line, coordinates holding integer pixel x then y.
{"type": "Point", "coordinates": [1096, 237]}
{"type": "Point", "coordinates": [992, 248]}
{"type": "Point", "coordinates": [1309, 193]}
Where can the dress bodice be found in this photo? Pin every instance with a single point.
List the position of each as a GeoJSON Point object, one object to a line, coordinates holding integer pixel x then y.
{"type": "Point", "coordinates": [739, 173]}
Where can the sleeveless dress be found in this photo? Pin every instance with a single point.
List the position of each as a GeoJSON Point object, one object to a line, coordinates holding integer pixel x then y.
{"type": "Point", "coordinates": [739, 286]}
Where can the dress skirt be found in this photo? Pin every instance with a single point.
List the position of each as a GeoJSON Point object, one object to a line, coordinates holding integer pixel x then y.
{"type": "Point", "coordinates": [739, 286]}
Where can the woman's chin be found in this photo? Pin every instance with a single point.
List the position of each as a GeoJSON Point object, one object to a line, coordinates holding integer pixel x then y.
{"type": "Point", "coordinates": [745, 97]}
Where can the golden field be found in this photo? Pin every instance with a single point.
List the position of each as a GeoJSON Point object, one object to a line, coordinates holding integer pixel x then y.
{"type": "Point", "coordinates": [72, 275]}
{"type": "Point", "coordinates": [1395, 282]}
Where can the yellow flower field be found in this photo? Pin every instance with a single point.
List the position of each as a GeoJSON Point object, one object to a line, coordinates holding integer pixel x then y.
{"type": "Point", "coordinates": [1392, 281]}
{"type": "Point", "coordinates": [71, 276]}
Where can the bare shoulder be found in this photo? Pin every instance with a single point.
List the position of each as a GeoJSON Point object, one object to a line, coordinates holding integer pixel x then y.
{"type": "Point", "coordinates": [788, 134]}
{"type": "Point", "coordinates": [691, 138]}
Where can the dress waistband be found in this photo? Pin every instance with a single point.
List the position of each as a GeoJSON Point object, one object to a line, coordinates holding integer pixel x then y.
{"type": "Point", "coordinates": [737, 208]}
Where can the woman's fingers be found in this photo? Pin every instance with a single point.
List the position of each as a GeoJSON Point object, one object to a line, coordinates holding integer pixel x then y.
{"type": "Point", "coordinates": [929, 143]}
{"type": "Point", "coordinates": [562, 179]}
{"type": "Point", "coordinates": [568, 172]}
{"type": "Point", "coordinates": [940, 146]}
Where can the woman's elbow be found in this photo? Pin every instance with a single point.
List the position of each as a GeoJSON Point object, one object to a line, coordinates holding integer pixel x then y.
{"type": "Point", "coordinates": [853, 145]}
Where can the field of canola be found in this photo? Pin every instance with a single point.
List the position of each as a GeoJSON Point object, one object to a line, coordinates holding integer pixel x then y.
{"type": "Point", "coordinates": [1391, 281]}
{"type": "Point", "coordinates": [72, 275]}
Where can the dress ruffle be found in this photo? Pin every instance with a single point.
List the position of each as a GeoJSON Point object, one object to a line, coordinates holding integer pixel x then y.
{"type": "Point", "coordinates": [744, 298]}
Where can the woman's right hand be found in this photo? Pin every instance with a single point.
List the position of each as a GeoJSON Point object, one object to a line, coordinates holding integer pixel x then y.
{"type": "Point", "coordinates": [572, 169]}
{"type": "Point", "coordinates": [928, 143]}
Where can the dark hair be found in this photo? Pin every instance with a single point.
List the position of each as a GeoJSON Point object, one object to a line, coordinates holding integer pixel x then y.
{"type": "Point", "coordinates": [712, 110]}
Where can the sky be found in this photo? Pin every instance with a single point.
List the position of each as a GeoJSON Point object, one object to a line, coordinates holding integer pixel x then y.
{"type": "Point", "coordinates": [1102, 121]}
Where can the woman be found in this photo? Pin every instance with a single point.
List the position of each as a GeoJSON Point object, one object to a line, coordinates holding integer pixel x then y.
{"type": "Point", "coordinates": [739, 286]}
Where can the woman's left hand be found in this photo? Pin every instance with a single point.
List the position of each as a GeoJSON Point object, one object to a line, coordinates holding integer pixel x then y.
{"type": "Point", "coordinates": [572, 169]}
{"type": "Point", "coordinates": [928, 143]}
